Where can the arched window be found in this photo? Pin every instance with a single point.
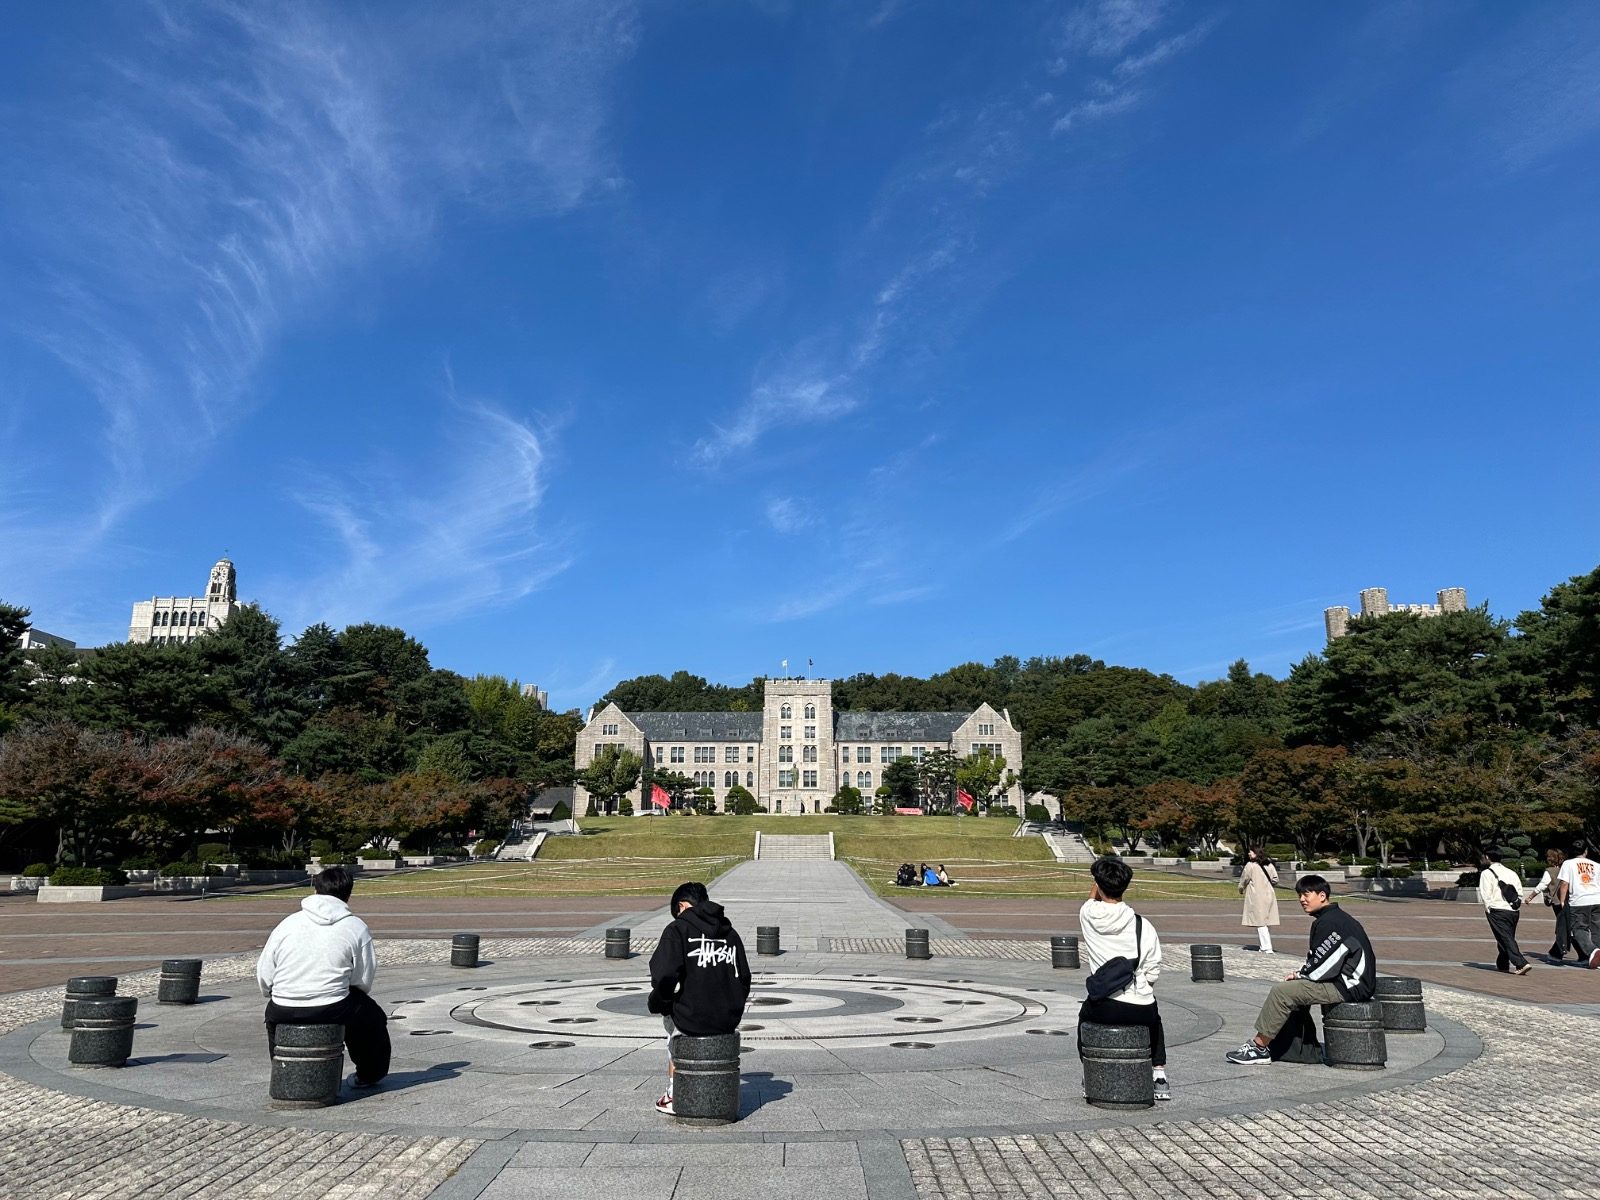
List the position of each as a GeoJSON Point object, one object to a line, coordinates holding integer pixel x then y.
{"type": "Point", "coordinates": [749, 779]}
{"type": "Point", "coordinates": [864, 780]}
{"type": "Point", "coordinates": [811, 712]}
{"type": "Point", "coordinates": [785, 713]}
{"type": "Point", "coordinates": [729, 778]}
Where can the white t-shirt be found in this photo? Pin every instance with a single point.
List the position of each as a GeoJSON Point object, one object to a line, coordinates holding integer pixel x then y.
{"type": "Point", "coordinates": [1582, 877]}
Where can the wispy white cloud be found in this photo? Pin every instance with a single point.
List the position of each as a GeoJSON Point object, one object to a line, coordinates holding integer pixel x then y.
{"type": "Point", "coordinates": [224, 174]}
{"type": "Point", "coordinates": [1109, 30]}
{"type": "Point", "coordinates": [788, 515]}
{"type": "Point", "coordinates": [1106, 28]}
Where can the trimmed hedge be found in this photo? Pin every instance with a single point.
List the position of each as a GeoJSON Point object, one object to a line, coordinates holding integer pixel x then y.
{"type": "Point", "coordinates": [187, 870]}
{"type": "Point", "coordinates": [485, 848]}
{"type": "Point", "coordinates": [37, 871]}
{"type": "Point", "coordinates": [87, 877]}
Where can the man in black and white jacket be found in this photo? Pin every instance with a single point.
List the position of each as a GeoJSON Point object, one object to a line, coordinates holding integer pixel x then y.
{"type": "Point", "coordinates": [699, 977]}
{"type": "Point", "coordinates": [1341, 966]}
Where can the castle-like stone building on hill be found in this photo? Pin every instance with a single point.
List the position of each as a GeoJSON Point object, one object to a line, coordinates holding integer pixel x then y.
{"type": "Point", "coordinates": [165, 620]}
{"type": "Point", "coordinates": [1375, 603]}
{"type": "Point", "coordinates": [798, 750]}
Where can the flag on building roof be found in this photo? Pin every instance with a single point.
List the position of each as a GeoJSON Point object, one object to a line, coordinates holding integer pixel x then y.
{"type": "Point", "coordinates": [659, 797]}
{"type": "Point", "coordinates": [964, 798]}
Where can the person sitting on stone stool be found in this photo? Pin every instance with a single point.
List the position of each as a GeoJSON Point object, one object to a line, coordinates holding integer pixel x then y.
{"type": "Point", "coordinates": [1112, 931]}
{"type": "Point", "coordinates": [699, 976]}
{"type": "Point", "coordinates": [317, 968]}
{"type": "Point", "coordinates": [1340, 966]}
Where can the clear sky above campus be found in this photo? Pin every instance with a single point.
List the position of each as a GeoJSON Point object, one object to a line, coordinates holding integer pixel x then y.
{"type": "Point", "coordinates": [585, 340]}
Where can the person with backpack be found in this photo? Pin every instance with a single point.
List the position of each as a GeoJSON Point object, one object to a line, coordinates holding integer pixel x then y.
{"type": "Point", "coordinates": [1124, 954]}
{"type": "Point", "coordinates": [1258, 883]}
{"type": "Point", "coordinates": [1500, 893]}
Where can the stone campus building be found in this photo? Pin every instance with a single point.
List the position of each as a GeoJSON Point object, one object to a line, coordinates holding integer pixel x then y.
{"type": "Point", "coordinates": [798, 751]}
{"type": "Point", "coordinates": [165, 620]}
{"type": "Point", "coordinates": [1375, 603]}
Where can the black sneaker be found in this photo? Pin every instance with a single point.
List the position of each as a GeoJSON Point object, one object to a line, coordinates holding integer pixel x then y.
{"type": "Point", "coordinates": [1249, 1054]}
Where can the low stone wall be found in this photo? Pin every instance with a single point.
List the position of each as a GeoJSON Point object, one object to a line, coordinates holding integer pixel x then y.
{"type": "Point", "coordinates": [84, 895]}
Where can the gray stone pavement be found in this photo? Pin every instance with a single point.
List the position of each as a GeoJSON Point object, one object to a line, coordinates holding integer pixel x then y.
{"type": "Point", "coordinates": [970, 1102]}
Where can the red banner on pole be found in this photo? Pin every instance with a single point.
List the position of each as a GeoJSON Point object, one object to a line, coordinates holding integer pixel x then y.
{"type": "Point", "coordinates": [964, 798]}
{"type": "Point", "coordinates": [659, 797]}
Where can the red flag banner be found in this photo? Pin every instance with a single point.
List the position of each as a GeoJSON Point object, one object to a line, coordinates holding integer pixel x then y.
{"type": "Point", "coordinates": [964, 798]}
{"type": "Point", "coordinates": [659, 797]}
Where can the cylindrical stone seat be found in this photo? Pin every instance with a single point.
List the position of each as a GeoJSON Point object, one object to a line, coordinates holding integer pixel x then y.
{"type": "Point", "coordinates": [917, 944]}
{"type": "Point", "coordinates": [180, 981]}
{"type": "Point", "coordinates": [705, 1079]}
{"type": "Point", "coordinates": [1401, 998]}
{"type": "Point", "coordinates": [617, 942]}
{"type": "Point", "coordinates": [85, 987]}
{"type": "Point", "coordinates": [464, 950]}
{"type": "Point", "coordinates": [1352, 1036]}
{"type": "Point", "coordinates": [1116, 1065]}
{"type": "Point", "coordinates": [1205, 964]}
{"type": "Point", "coordinates": [307, 1065]}
{"type": "Point", "coordinates": [1064, 951]}
{"type": "Point", "coordinates": [766, 939]}
{"type": "Point", "coordinates": [102, 1031]}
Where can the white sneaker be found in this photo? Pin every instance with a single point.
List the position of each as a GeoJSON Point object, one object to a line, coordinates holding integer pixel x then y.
{"type": "Point", "coordinates": [1163, 1088]}
{"type": "Point", "coordinates": [664, 1105]}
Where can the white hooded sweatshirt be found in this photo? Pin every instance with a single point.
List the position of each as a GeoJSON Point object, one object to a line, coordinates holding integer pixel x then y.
{"type": "Point", "coordinates": [317, 955]}
{"type": "Point", "coordinates": [1108, 933]}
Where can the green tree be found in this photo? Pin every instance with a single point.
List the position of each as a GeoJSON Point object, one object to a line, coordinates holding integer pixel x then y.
{"type": "Point", "coordinates": [1299, 791]}
{"type": "Point", "coordinates": [847, 801]}
{"type": "Point", "coordinates": [936, 780]}
{"type": "Point", "coordinates": [740, 802]}
{"type": "Point", "coordinates": [901, 778]}
{"type": "Point", "coordinates": [613, 772]}
{"type": "Point", "coordinates": [979, 775]}
{"type": "Point", "coordinates": [13, 666]}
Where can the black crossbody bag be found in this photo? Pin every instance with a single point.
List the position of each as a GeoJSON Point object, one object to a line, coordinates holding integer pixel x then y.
{"type": "Point", "coordinates": [1117, 974]}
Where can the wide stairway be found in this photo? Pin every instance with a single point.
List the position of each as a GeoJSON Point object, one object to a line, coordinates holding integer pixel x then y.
{"type": "Point", "coordinates": [788, 846]}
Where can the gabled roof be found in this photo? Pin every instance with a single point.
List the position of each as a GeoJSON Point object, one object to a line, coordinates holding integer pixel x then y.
{"type": "Point", "coordinates": [897, 726]}
{"type": "Point", "coordinates": [699, 726]}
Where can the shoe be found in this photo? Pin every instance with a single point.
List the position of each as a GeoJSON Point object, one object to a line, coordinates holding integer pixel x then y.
{"type": "Point", "coordinates": [664, 1105]}
{"type": "Point", "coordinates": [363, 1085]}
{"type": "Point", "coordinates": [1594, 960]}
{"type": "Point", "coordinates": [1523, 969]}
{"type": "Point", "coordinates": [1163, 1088]}
{"type": "Point", "coordinates": [1249, 1054]}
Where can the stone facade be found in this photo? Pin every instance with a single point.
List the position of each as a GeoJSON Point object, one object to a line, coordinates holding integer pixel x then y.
{"type": "Point", "coordinates": [1375, 603]}
{"type": "Point", "coordinates": [167, 620]}
{"type": "Point", "coordinates": [798, 750]}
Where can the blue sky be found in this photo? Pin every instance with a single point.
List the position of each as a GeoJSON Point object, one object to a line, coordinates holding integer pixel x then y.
{"type": "Point", "coordinates": [585, 340]}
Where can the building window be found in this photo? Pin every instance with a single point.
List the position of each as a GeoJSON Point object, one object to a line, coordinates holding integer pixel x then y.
{"type": "Point", "coordinates": [811, 712]}
{"type": "Point", "coordinates": [864, 781]}
{"type": "Point", "coordinates": [677, 754]}
{"type": "Point", "coordinates": [661, 753]}
{"type": "Point", "coordinates": [808, 779]}
{"type": "Point", "coordinates": [863, 754]}
{"type": "Point", "coordinates": [986, 730]}
{"type": "Point", "coordinates": [730, 779]}
{"type": "Point", "coordinates": [785, 753]}
{"type": "Point", "coordinates": [808, 754]}
{"type": "Point", "coordinates": [786, 778]}
{"type": "Point", "coordinates": [845, 750]}
{"type": "Point", "coordinates": [705, 754]}
{"type": "Point", "coordinates": [811, 733]}
{"type": "Point", "coordinates": [992, 749]}
{"type": "Point", "coordinates": [785, 713]}
{"type": "Point", "coordinates": [609, 730]}
{"type": "Point", "coordinates": [730, 754]}
{"type": "Point", "coordinates": [749, 779]}
{"type": "Point", "coordinates": [786, 732]}
{"type": "Point", "coordinates": [887, 754]}
{"type": "Point", "coordinates": [917, 752]}
{"type": "Point", "coordinates": [749, 754]}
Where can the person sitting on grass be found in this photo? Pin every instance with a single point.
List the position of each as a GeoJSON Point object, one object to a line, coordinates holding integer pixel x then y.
{"type": "Point", "coordinates": [1340, 966]}
{"type": "Point", "coordinates": [944, 877]}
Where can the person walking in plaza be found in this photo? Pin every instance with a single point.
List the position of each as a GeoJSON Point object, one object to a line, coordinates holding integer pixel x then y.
{"type": "Point", "coordinates": [318, 967]}
{"type": "Point", "coordinates": [1500, 893]}
{"type": "Point", "coordinates": [1258, 883]}
{"type": "Point", "coordinates": [1548, 889]}
{"type": "Point", "coordinates": [1340, 966]}
{"type": "Point", "coordinates": [1579, 884]}
{"type": "Point", "coordinates": [1124, 954]}
{"type": "Point", "coordinates": [699, 976]}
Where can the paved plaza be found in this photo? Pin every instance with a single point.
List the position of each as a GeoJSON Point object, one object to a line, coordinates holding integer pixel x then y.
{"type": "Point", "coordinates": [864, 1074]}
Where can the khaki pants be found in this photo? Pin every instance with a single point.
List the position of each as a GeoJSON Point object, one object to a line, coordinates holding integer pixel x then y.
{"type": "Point", "coordinates": [1285, 997]}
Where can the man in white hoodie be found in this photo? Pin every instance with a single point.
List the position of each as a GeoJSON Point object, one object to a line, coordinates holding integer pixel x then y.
{"type": "Point", "coordinates": [317, 969]}
{"type": "Point", "coordinates": [1112, 930]}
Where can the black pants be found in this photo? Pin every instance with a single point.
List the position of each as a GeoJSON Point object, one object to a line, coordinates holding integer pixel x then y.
{"type": "Point", "coordinates": [366, 1030]}
{"type": "Point", "coordinates": [1562, 943]}
{"type": "Point", "coordinates": [1583, 923]}
{"type": "Point", "coordinates": [1503, 923]}
{"type": "Point", "coordinates": [1120, 1012]}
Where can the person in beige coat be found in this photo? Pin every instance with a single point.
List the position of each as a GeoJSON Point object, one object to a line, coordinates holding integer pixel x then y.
{"type": "Point", "coordinates": [1258, 882]}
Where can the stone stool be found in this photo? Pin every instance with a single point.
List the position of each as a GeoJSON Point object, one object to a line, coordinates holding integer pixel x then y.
{"type": "Point", "coordinates": [1064, 951]}
{"type": "Point", "coordinates": [85, 987]}
{"type": "Point", "coordinates": [1401, 999]}
{"type": "Point", "coordinates": [705, 1079]}
{"type": "Point", "coordinates": [1116, 1065]}
{"type": "Point", "coordinates": [180, 981]}
{"type": "Point", "coordinates": [917, 944]}
{"type": "Point", "coordinates": [307, 1066]}
{"type": "Point", "coordinates": [617, 942]}
{"type": "Point", "coordinates": [1352, 1036]}
{"type": "Point", "coordinates": [102, 1031]}
{"type": "Point", "coordinates": [1205, 964]}
{"type": "Point", "coordinates": [464, 950]}
{"type": "Point", "coordinates": [766, 939]}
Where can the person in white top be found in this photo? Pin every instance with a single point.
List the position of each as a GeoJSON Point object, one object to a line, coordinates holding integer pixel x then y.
{"type": "Point", "coordinates": [1498, 885]}
{"type": "Point", "coordinates": [1112, 931]}
{"type": "Point", "coordinates": [318, 967]}
{"type": "Point", "coordinates": [1579, 887]}
{"type": "Point", "coordinates": [1548, 889]}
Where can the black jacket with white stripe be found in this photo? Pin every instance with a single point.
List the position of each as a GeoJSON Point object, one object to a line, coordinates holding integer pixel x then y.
{"type": "Point", "coordinates": [1341, 955]}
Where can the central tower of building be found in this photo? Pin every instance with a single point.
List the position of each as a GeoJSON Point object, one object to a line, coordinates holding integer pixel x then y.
{"type": "Point", "coordinates": [798, 764]}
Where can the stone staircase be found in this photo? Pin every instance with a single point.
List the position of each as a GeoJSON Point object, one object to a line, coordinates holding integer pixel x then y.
{"type": "Point", "coordinates": [1069, 847]}
{"type": "Point", "coordinates": [790, 846]}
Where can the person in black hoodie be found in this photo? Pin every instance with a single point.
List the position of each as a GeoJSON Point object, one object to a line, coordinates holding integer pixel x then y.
{"type": "Point", "coordinates": [699, 977]}
{"type": "Point", "coordinates": [1341, 966]}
